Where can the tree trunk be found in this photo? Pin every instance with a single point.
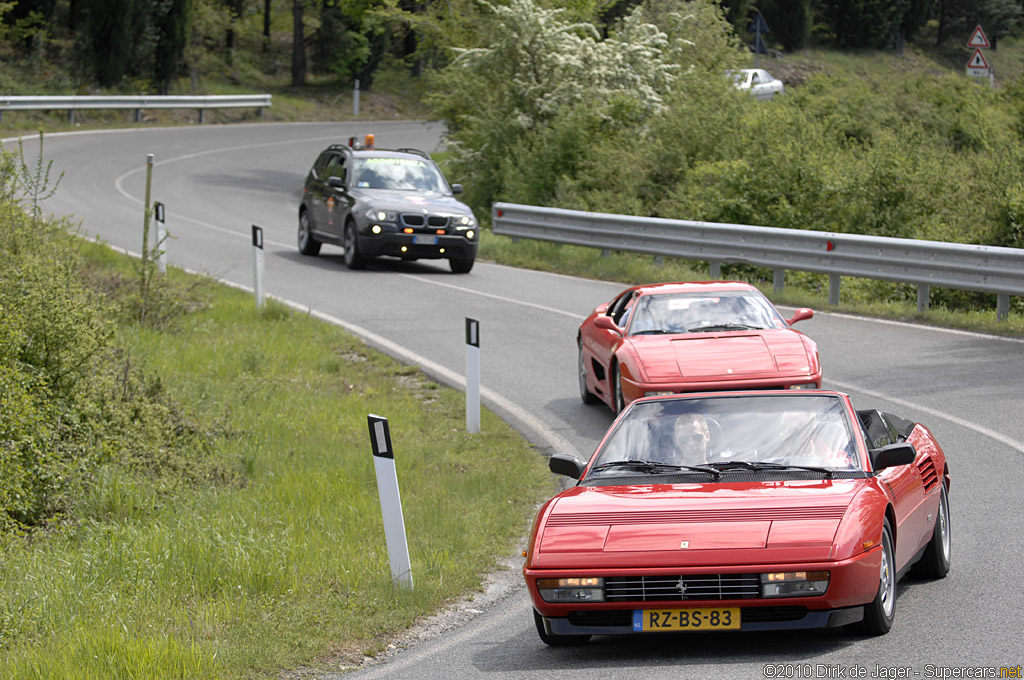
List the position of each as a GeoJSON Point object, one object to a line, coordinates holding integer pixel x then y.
{"type": "Point", "coordinates": [266, 25]}
{"type": "Point", "coordinates": [298, 45]}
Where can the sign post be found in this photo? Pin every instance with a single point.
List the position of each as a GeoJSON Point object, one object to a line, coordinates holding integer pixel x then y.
{"type": "Point", "coordinates": [977, 65]}
{"type": "Point", "coordinates": [472, 376]}
{"type": "Point", "coordinates": [161, 236]}
{"type": "Point", "coordinates": [390, 500]}
{"type": "Point", "coordinates": [257, 243]}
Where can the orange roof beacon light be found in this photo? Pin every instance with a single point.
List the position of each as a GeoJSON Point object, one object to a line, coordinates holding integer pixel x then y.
{"type": "Point", "coordinates": [369, 141]}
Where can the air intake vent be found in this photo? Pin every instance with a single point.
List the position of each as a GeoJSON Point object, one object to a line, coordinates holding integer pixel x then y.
{"type": "Point", "coordinates": [678, 588]}
{"type": "Point", "coordinates": [928, 475]}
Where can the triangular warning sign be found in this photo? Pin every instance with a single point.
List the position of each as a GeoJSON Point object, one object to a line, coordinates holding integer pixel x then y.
{"type": "Point", "coordinates": [977, 60]}
{"type": "Point", "coordinates": [978, 38]}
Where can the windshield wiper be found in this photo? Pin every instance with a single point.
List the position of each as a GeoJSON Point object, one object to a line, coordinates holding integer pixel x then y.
{"type": "Point", "coordinates": [653, 467]}
{"type": "Point", "coordinates": [654, 331]}
{"type": "Point", "coordinates": [724, 327]}
{"type": "Point", "coordinates": [747, 465]}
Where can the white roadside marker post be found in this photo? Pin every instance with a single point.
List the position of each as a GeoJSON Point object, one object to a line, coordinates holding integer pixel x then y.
{"type": "Point", "coordinates": [257, 243]}
{"type": "Point", "coordinates": [472, 376]}
{"type": "Point", "coordinates": [161, 236]}
{"type": "Point", "coordinates": [390, 500]}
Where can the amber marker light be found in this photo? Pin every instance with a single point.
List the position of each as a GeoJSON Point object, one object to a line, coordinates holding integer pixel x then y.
{"type": "Point", "coordinates": [407, 230]}
{"type": "Point", "coordinates": [369, 141]}
{"type": "Point", "coordinates": [868, 545]}
{"type": "Point", "coordinates": [439, 232]}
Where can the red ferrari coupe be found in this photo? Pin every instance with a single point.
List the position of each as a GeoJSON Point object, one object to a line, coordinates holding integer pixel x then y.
{"type": "Point", "coordinates": [743, 511]}
{"type": "Point", "coordinates": [688, 337]}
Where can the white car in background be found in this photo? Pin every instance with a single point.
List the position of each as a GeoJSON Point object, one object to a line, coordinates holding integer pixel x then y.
{"type": "Point", "coordinates": [761, 84]}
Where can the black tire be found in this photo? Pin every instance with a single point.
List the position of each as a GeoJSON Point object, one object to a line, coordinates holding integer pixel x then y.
{"type": "Point", "coordinates": [556, 640]}
{"type": "Point", "coordinates": [618, 401]}
{"type": "Point", "coordinates": [934, 563]}
{"type": "Point", "coordinates": [586, 395]}
{"type": "Point", "coordinates": [461, 265]}
{"type": "Point", "coordinates": [353, 259]}
{"type": "Point", "coordinates": [308, 245]}
{"type": "Point", "coordinates": [879, 615]}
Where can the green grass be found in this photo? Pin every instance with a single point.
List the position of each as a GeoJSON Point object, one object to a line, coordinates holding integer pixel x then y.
{"type": "Point", "coordinates": [282, 562]}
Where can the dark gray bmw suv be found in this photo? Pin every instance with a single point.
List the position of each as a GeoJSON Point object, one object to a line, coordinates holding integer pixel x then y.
{"type": "Point", "coordinates": [393, 202]}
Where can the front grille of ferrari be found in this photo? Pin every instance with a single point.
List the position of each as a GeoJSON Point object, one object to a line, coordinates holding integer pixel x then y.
{"type": "Point", "coordinates": [678, 588]}
{"type": "Point", "coordinates": [418, 220]}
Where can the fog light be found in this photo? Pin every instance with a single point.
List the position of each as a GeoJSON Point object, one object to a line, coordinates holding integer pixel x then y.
{"type": "Point", "coordinates": [404, 249]}
{"type": "Point", "coordinates": [804, 386]}
{"type": "Point", "coordinates": [470, 234]}
{"type": "Point", "coordinates": [375, 229]}
{"type": "Point", "coordinates": [589, 589]}
{"type": "Point", "coordinates": [794, 583]}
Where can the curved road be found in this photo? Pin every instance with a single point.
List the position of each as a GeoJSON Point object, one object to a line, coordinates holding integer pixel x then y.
{"type": "Point", "coordinates": [217, 181]}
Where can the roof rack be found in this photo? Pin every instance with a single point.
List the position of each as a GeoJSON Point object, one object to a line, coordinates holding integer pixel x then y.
{"type": "Point", "coordinates": [415, 151]}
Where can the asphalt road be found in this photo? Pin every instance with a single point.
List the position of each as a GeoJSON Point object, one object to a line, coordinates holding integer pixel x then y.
{"type": "Point", "coordinates": [217, 181]}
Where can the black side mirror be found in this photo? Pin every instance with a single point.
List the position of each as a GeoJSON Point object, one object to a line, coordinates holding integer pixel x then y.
{"type": "Point", "coordinates": [336, 182]}
{"type": "Point", "coordinates": [567, 465]}
{"type": "Point", "coordinates": [892, 455]}
{"type": "Point", "coordinates": [456, 188]}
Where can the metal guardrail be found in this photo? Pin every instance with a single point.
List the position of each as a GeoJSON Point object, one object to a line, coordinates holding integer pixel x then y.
{"type": "Point", "coordinates": [137, 102]}
{"type": "Point", "coordinates": [923, 263]}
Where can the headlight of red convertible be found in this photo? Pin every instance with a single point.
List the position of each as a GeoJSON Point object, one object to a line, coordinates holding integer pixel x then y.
{"type": "Point", "coordinates": [571, 589]}
{"type": "Point", "coordinates": [794, 583]}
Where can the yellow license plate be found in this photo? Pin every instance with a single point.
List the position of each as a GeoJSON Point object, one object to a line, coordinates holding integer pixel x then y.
{"type": "Point", "coordinates": [652, 620]}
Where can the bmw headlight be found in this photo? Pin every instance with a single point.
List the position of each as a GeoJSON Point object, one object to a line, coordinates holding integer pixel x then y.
{"type": "Point", "coordinates": [464, 221]}
{"type": "Point", "coordinates": [589, 589]}
{"type": "Point", "coordinates": [377, 215]}
{"type": "Point", "coordinates": [794, 583]}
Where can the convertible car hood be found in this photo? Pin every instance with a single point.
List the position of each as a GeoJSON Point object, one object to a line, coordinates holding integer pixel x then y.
{"type": "Point", "coordinates": [713, 356]}
{"type": "Point", "coordinates": [679, 525]}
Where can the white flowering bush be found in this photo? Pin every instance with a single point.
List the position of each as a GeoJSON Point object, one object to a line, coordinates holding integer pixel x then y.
{"type": "Point", "coordinates": [538, 73]}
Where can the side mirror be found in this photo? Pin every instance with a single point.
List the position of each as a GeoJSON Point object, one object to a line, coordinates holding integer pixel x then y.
{"type": "Point", "coordinates": [604, 321]}
{"type": "Point", "coordinates": [892, 455]}
{"type": "Point", "coordinates": [336, 182]}
{"type": "Point", "coordinates": [456, 188]}
{"type": "Point", "coordinates": [800, 315]}
{"type": "Point", "coordinates": [567, 465]}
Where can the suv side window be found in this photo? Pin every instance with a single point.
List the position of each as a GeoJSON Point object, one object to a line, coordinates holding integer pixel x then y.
{"type": "Point", "coordinates": [321, 164]}
{"type": "Point", "coordinates": [335, 168]}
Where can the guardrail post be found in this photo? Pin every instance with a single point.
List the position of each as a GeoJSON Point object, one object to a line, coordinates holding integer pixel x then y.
{"type": "Point", "coordinates": [390, 500]}
{"type": "Point", "coordinates": [1002, 306]}
{"type": "Point", "coordinates": [355, 99]}
{"type": "Point", "coordinates": [71, 116]}
{"type": "Point", "coordinates": [202, 116]}
{"type": "Point", "coordinates": [778, 280]}
{"type": "Point", "coordinates": [138, 115]}
{"type": "Point", "coordinates": [716, 269]}
{"type": "Point", "coordinates": [923, 296]}
{"type": "Point", "coordinates": [833, 289]}
{"type": "Point", "coordinates": [472, 376]}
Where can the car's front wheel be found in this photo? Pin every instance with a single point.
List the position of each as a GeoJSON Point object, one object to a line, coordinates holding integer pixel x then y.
{"type": "Point", "coordinates": [353, 259]}
{"type": "Point", "coordinates": [879, 615]}
{"type": "Point", "coordinates": [936, 559]}
{"type": "Point", "coordinates": [308, 245]}
{"type": "Point", "coordinates": [461, 265]}
{"type": "Point", "coordinates": [556, 640]}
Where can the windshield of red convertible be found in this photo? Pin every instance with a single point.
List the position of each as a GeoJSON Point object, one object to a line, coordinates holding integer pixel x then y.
{"type": "Point", "coordinates": [692, 312]}
{"type": "Point", "coordinates": [788, 430]}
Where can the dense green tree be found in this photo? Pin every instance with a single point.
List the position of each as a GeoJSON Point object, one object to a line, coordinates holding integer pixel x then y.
{"type": "Point", "coordinates": [108, 39]}
{"type": "Point", "coordinates": [791, 21]}
{"type": "Point", "coordinates": [172, 35]}
{"type": "Point", "coordinates": [298, 43]}
{"type": "Point", "coordinates": [863, 23]}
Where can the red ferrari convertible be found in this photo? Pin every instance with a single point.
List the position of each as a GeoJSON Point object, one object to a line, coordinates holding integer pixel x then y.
{"type": "Point", "coordinates": [740, 511]}
{"type": "Point", "coordinates": [688, 337]}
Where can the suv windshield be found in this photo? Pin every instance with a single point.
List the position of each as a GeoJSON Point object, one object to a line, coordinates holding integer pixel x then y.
{"type": "Point", "coordinates": [406, 174]}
